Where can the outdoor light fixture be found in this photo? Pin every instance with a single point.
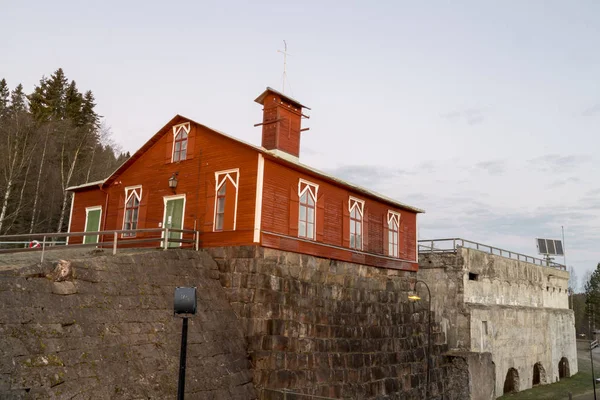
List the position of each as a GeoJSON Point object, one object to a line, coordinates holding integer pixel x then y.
{"type": "Point", "coordinates": [414, 296]}
{"type": "Point", "coordinates": [184, 305]}
{"type": "Point", "coordinates": [173, 180]}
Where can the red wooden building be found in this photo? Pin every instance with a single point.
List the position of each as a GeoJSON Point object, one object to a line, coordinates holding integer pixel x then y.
{"type": "Point", "coordinates": [236, 193]}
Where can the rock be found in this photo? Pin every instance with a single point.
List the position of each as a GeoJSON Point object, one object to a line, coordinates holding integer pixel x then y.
{"type": "Point", "coordinates": [64, 288]}
{"type": "Point", "coordinates": [62, 272]}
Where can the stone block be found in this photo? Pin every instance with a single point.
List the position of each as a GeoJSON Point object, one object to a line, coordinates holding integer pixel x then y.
{"type": "Point", "coordinates": [64, 288]}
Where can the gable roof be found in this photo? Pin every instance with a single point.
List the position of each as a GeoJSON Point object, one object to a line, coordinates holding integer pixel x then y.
{"type": "Point", "coordinates": [271, 154]}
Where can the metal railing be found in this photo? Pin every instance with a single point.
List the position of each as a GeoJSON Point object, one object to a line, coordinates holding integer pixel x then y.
{"type": "Point", "coordinates": [120, 238]}
{"type": "Point", "coordinates": [452, 244]}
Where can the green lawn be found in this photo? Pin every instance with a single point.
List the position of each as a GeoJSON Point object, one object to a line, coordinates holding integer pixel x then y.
{"type": "Point", "coordinates": [577, 384]}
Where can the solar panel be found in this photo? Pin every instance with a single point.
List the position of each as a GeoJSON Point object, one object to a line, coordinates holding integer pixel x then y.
{"type": "Point", "coordinates": [559, 248]}
{"type": "Point", "coordinates": [542, 249]}
{"type": "Point", "coordinates": [550, 247]}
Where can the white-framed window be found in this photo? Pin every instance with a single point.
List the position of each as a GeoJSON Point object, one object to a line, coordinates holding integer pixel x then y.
{"type": "Point", "coordinates": [226, 197]}
{"type": "Point", "coordinates": [133, 198]}
{"type": "Point", "coordinates": [180, 141]}
{"type": "Point", "coordinates": [307, 216]}
{"type": "Point", "coordinates": [356, 208]}
{"type": "Point", "coordinates": [393, 220]}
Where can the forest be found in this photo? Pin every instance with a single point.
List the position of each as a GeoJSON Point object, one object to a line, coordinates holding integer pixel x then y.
{"type": "Point", "coordinates": [50, 139]}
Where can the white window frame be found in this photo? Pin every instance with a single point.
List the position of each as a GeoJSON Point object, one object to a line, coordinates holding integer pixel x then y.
{"type": "Point", "coordinates": [220, 179]}
{"type": "Point", "coordinates": [176, 128]}
{"type": "Point", "coordinates": [353, 203]}
{"type": "Point", "coordinates": [131, 191]}
{"type": "Point", "coordinates": [87, 212]}
{"type": "Point", "coordinates": [393, 216]}
{"type": "Point", "coordinates": [313, 191]}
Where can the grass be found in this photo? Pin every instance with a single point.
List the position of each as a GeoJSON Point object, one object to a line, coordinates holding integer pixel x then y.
{"type": "Point", "coordinates": [577, 384]}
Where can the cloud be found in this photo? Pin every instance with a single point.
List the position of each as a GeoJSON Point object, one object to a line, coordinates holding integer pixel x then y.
{"type": "Point", "coordinates": [493, 167]}
{"type": "Point", "coordinates": [563, 182]}
{"type": "Point", "coordinates": [368, 176]}
{"type": "Point", "coordinates": [471, 116]}
{"type": "Point", "coordinates": [590, 112]}
{"type": "Point", "coordinates": [556, 163]}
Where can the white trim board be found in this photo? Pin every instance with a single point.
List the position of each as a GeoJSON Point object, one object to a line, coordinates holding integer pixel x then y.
{"type": "Point", "coordinates": [260, 176]}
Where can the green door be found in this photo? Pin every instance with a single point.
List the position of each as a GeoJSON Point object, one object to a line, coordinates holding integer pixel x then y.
{"type": "Point", "coordinates": [92, 224]}
{"type": "Point", "coordinates": [174, 219]}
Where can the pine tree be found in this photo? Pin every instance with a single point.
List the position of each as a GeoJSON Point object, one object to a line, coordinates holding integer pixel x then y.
{"type": "Point", "coordinates": [89, 117]}
{"type": "Point", "coordinates": [73, 103]}
{"type": "Point", "coordinates": [18, 100]}
{"type": "Point", "coordinates": [592, 297]}
{"type": "Point", "coordinates": [55, 94]}
{"type": "Point", "coordinates": [4, 97]}
{"type": "Point", "coordinates": [37, 101]}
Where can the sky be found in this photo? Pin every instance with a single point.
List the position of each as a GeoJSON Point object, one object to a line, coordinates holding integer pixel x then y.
{"type": "Point", "coordinates": [485, 114]}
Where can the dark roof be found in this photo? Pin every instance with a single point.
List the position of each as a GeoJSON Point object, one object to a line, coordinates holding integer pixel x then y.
{"type": "Point", "coordinates": [261, 99]}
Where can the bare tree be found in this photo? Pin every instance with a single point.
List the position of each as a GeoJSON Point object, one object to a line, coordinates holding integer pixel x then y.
{"type": "Point", "coordinates": [572, 280]}
{"type": "Point", "coordinates": [73, 144]}
{"type": "Point", "coordinates": [18, 149]}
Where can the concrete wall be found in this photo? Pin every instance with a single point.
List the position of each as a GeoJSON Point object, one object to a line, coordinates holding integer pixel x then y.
{"type": "Point", "coordinates": [505, 281]}
{"type": "Point", "coordinates": [520, 337]}
{"type": "Point", "coordinates": [473, 376]}
{"type": "Point", "coordinates": [104, 329]}
{"type": "Point", "coordinates": [523, 307]}
{"type": "Point", "coordinates": [329, 328]}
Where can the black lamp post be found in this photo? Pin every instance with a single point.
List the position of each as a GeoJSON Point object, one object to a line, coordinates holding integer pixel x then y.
{"type": "Point", "coordinates": [184, 306]}
{"type": "Point", "coordinates": [416, 297]}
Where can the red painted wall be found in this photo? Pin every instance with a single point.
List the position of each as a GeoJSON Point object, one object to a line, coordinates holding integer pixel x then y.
{"type": "Point", "coordinates": [280, 221]}
{"type": "Point", "coordinates": [88, 198]}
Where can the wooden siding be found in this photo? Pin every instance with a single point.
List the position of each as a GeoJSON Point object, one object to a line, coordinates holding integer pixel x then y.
{"type": "Point", "coordinates": [280, 221]}
{"type": "Point", "coordinates": [281, 125]}
{"type": "Point", "coordinates": [208, 153]}
{"type": "Point", "coordinates": [88, 198]}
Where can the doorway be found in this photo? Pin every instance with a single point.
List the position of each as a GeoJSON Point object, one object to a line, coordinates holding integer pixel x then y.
{"type": "Point", "coordinates": [539, 374]}
{"type": "Point", "coordinates": [563, 368]}
{"type": "Point", "coordinates": [173, 217]}
{"type": "Point", "coordinates": [92, 223]}
{"type": "Point", "coordinates": [511, 383]}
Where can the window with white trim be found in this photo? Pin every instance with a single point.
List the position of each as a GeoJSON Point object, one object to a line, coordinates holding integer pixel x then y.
{"type": "Point", "coordinates": [180, 141]}
{"type": "Point", "coordinates": [226, 196]}
{"type": "Point", "coordinates": [220, 213]}
{"type": "Point", "coordinates": [133, 198]}
{"type": "Point", "coordinates": [393, 219]}
{"type": "Point", "coordinates": [356, 208]}
{"type": "Point", "coordinates": [307, 216]}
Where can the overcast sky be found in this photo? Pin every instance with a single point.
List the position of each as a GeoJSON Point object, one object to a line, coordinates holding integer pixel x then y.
{"type": "Point", "coordinates": [485, 114]}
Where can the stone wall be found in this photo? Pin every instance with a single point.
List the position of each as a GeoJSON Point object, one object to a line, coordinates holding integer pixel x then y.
{"type": "Point", "coordinates": [516, 311]}
{"type": "Point", "coordinates": [472, 376]}
{"type": "Point", "coordinates": [330, 328]}
{"type": "Point", "coordinates": [103, 328]}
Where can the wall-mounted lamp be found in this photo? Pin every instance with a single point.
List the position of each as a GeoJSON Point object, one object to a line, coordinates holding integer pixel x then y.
{"type": "Point", "coordinates": [173, 180]}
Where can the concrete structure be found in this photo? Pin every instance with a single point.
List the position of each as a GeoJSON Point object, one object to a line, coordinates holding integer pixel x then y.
{"type": "Point", "coordinates": [517, 311]}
